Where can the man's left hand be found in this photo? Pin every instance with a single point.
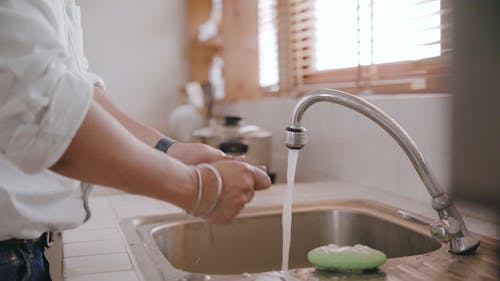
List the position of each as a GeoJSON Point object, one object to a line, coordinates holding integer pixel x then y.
{"type": "Point", "coordinates": [195, 153]}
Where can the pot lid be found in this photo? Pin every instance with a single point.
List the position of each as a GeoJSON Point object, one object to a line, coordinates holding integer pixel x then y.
{"type": "Point", "coordinates": [231, 127]}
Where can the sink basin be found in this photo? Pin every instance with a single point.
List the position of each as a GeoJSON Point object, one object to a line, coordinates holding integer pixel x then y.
{"type": "Point", "coordinates": [177, 247]}
{"type": "Point", "coordinates": [256, 241]}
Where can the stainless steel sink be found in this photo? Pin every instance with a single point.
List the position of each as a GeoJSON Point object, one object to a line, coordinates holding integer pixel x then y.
{"type": "Point", "coordinates": [177, 247]}
{"type": "Point", "coordinates": [253, 244]}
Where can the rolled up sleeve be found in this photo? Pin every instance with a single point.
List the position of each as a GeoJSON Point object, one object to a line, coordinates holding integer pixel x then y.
{"type": "Point", "coordinates": [43, 97]}
{"type": "Point", "coordinates": [95, 80]}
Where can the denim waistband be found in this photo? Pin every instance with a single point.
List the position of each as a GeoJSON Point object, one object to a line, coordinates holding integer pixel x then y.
{"type": "Point", "coordinates": [44, 241]}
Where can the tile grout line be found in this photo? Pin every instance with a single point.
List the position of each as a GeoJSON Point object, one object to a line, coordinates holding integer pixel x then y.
{"type": "Point", "coordinates": [98, 254]}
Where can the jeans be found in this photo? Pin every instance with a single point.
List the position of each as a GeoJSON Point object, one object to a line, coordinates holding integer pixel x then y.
{"type": "Point", "coordinates": [23, 262]}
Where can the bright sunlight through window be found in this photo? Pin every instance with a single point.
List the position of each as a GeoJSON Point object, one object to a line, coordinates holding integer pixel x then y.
{"type": "Point", "coordinates": [268, 43]}
{"type": "Point", "coordinates": [348, 33]}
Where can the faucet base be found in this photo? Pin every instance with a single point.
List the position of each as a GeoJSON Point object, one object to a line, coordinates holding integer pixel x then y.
{"type": "Point", "coordinates": [463, 245]}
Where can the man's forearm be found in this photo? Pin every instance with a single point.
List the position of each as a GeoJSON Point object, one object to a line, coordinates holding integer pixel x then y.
{"type": "Point", "coordinates": [104, 152]}
{"type": "Point", "coordinates": [144, 133]}
{"type": "Point", "coordinates": [188, 153]}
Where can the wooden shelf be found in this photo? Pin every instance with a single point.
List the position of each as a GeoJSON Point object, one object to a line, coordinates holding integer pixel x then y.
{"type": "Point", "coordinates": [237, 44]}
{"type": "Point", "coordinates": [214, 43]}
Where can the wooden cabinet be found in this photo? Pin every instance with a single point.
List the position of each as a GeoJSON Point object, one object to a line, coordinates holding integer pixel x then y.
{"type": "Point", "coordinates": [236, 43]}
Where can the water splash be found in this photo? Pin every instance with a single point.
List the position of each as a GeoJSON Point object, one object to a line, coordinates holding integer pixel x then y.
{"type": "Point", "coordinates": [275, 276]}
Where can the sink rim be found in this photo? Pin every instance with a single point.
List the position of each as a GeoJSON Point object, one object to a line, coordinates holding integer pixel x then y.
{"type": "Point", "coordinates": [155, 266]}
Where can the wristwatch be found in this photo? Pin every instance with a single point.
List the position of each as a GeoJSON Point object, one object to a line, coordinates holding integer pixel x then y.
{"type": "Point", "coordinates": [164, 143]}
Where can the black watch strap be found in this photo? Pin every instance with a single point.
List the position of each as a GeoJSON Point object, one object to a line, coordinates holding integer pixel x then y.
{"type": "Point", "coordinates": [164, 143]}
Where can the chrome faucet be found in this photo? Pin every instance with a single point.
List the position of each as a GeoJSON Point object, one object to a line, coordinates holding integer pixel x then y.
{"type": "Point", "coordinates": [450, 227]}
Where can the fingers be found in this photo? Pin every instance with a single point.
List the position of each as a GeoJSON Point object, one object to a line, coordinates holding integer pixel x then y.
{"type": "Point", "coordinates": [248, 197]}
{"type": "Point", "coordinates": [214, 154]}
{"type": "Point", "coordinates": [241, 180]}
{"type": "Point", "coordinates": [262, 180]}
{"type": "Point", "coordinates": [241, 158]}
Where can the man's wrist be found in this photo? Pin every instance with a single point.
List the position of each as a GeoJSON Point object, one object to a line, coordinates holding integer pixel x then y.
{"type": "Point", "coordinates": [189, 193]}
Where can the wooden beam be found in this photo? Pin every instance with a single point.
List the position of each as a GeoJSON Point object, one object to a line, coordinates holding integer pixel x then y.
{"type": "Point", "coordinates": [199, 55]}
{"type": "Point", "coordinates": [240, 49]}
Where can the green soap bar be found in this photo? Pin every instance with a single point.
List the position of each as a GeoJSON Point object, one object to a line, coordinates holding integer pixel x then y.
{"type": "Point", "coordinates": [346, 258]}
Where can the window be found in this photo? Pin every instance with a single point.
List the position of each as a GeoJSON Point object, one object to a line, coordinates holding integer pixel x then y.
{"type": "Point", "coordinates": [268, 43]}
{"type": "Point", "coordinates": [379, 46]}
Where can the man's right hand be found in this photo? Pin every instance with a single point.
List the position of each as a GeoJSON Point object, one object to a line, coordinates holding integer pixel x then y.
{"type": "Point", "coordinates": [239, 182]}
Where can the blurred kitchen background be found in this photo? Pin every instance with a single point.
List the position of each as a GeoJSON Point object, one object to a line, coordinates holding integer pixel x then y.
{"type": "Point", "coordinates": [139, 48]}
{"type": "Point", "coordinates": [162, 60]}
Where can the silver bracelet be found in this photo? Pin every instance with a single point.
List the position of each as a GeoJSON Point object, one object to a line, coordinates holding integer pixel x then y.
{"type": "Point", "coordinates": [200, 192]}
{"type": "Point", "coordinates": [219, 187]}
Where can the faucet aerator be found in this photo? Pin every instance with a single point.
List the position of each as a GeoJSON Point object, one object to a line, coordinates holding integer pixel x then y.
{"type": "Point", "coordinates": [295, 137]}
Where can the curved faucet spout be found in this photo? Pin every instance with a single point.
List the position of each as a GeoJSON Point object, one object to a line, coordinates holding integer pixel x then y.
{"type": "Point", "coordinates": [451, 226]}
{"type": "Point", "coordinates": [376, 115]}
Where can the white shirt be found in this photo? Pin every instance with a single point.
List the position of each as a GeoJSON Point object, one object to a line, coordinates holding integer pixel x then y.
{"type": "Point", "coordinates": [45, 93]}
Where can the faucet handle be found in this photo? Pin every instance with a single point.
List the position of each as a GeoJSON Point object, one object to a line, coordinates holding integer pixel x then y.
{"type": "Point", "coordinates": [440, 232]}
{"type": "Point", "coordinates": [444, 229]}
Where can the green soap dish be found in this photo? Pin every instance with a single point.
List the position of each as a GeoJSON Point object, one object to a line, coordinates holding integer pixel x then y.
{"type": "Point", "coordinates": [357, 258]}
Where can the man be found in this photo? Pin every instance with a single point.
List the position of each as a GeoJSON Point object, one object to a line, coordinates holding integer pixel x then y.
{"type": "Point", "coordinates": [57, 128]}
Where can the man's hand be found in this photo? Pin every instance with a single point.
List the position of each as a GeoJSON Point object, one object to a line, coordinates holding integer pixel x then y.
{"type": "Point", "coordinates": [240, 181]}
{"type": "Point", "coordinates": [105, 152]}
{"type": "Point", "coordinates": [195, 153]}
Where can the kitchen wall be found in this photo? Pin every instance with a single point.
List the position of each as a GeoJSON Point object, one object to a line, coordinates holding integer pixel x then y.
{"type": "Point", "coordinates": [346, 145]}
{"type": "Point", "coordinates": [138, 47]}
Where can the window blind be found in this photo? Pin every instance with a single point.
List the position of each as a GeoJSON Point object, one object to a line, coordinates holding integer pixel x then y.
{"type": "Point", "coordinates": [386, 46]}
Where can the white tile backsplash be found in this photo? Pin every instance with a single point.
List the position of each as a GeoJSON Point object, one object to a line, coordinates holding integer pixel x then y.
{"type": "Point", "coordinates": [412, 118]}
{"type": "Point", "coordinates": [409, 182]}
{"type": "Point", "coordinates": [437, 120]}
{"type": "Point", "coordinates": [345, 145]}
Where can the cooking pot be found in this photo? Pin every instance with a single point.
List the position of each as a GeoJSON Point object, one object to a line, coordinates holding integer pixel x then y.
{"type": "Point", "coordinates": [232, 136]}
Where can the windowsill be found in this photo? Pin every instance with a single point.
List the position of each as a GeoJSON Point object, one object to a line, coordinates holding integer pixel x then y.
{"type": "Point", "coordinates": [367, 96]}
{"type": "Point", "coordinates": [404, 96]}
